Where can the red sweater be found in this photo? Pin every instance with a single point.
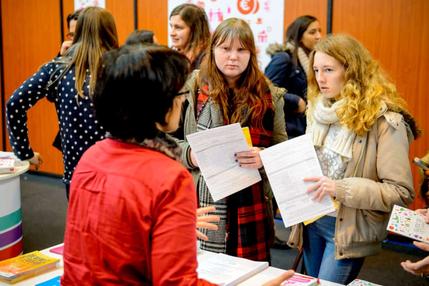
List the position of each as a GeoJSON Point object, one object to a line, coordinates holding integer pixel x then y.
{"type": "Point", "coordinates": [131, 219]}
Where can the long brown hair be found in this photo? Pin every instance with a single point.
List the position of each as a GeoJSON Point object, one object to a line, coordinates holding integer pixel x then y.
{"type": "Point", "coordinates": [249, 100]}
{"type": "Point", "coordinates": [294, 34]}
{"type": "Point", "coordinates": [95, 34]}
{"type": "Point", "coordinates": [196, 19]}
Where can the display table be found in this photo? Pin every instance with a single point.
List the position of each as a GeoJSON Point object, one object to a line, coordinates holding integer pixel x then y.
{"type": "Point", "coordinates": [10, 210]}
{"type": "Point", "coordinates": [256, 280]}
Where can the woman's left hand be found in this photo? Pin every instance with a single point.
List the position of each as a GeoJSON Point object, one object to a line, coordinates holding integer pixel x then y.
{"type": "Point", "coordinates": [323, 187]}
{"type": "Point", "coordinates": [204, 220]}
{"type": "Point", "coordinates": [249, 159]}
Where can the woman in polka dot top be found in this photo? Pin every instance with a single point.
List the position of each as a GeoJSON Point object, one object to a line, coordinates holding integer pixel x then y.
{"type": "Point", "coordinates": [67, 82]}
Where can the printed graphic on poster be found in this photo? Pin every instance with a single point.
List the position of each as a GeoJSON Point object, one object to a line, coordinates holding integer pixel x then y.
{"type": "Point", "coordinates": [265, 17]}
{"type": "Point", "coordinates": [79, 4]}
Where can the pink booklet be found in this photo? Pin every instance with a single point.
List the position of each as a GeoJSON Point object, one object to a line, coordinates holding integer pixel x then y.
{"type": "Point", "coordinates": [57, 249]}
{"type": "Point", "coordinates": [301, 280]}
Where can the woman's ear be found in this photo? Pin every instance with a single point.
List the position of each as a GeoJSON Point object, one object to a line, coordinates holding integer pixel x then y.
{"type": "Point", "coordinates": [159, 126]}
{"type": "Point", "coordinates": [165, 127]}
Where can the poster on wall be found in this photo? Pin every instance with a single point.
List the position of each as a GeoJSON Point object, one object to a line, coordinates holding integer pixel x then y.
{"type": "Point", "coordinates": [80, 4]}
{"type": "Point", "coordinates": [265, 17]}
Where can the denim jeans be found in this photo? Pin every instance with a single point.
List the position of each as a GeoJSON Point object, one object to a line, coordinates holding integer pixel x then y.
{"type": "Point", "coordinates": [319, 254]}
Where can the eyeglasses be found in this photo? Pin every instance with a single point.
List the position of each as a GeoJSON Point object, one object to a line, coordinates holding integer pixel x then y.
{"type": "Point", "coordinates": [182, 93]}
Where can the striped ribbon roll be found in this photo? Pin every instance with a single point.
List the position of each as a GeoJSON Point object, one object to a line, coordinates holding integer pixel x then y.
{"type": "Point", "coordinates": [10, 218]}
{"type": "Point", "coordinates": [12, 250]}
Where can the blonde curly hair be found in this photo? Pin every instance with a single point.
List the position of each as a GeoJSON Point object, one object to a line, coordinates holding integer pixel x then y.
{"type": "Point", "coordinates": [366, 87]}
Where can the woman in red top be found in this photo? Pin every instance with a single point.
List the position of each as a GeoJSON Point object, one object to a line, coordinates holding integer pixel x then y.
{"type": "Point", "coordinates": [131, 217]}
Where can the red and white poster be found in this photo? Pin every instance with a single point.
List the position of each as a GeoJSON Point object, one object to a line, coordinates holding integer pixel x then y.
{"type": "Point", "coordinates": [80, 4]}
{"type": "Point", "coordinates": [265, 17]}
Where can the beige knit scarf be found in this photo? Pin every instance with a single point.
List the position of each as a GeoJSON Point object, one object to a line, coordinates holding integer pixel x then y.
{"type": "Point", "coordinates": [324, 114]}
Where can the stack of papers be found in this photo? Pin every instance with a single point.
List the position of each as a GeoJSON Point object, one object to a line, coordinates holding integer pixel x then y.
{"type": "Point", "coordinates": [222, 269]}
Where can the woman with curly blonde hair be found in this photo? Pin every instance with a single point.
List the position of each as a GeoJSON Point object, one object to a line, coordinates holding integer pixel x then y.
{"type": "Point", "coordinates": [361, 131]}
{"type": "Point", "coordinates": [228, 89]}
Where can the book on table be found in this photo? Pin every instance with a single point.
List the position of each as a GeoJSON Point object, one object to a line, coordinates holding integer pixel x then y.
{"type": "Point", "coordinates": [24, 266]}
{"type": "Point", "coordinates": [272, 272]}
{"type": "Point", "coordinates": [226, 270]}
{"type": "Point", "coordinates": [301, 280]}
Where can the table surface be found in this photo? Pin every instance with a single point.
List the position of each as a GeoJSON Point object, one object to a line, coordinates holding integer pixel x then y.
{"type": "Point", "coordinates": [45, 276]}
{"type": "Point", "coordinates": [59, 271]}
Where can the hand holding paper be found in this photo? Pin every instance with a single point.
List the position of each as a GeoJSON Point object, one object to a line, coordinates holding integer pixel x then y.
{"type": "Point", "coordinates": [249, 159]}
{"type": "Point", "coordinates": [215, 150]}
{"type": "Point", "coordinates": [323, 187]}
{"type": "Point", "coordinates": [286, 165]}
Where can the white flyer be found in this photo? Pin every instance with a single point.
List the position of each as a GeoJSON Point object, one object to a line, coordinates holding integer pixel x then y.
{"type": "Point", "coordinates": [286, 165]}
{"type": "Point", "coordinates": [214, 150]}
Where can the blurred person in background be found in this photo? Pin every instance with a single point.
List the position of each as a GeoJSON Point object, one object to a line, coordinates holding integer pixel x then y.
{"type": "Point", "coordinates": [67, 82]}
{"type": "Point", "coordinates": [289, 68]}
{"type": "Point", "coordinates": [189, 32]}
{"type": "Point", "coordinates": [141, 37]}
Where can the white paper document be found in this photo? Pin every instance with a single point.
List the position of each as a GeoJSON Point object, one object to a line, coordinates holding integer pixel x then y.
{"type": "Point", "coordinates": [214, 150]}
{"type": "Point", "coordinates": [286, 165]}
{"type": "Point", "coordinates": [222, 269]}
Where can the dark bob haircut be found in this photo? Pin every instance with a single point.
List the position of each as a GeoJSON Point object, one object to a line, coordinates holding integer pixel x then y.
{"type": "Point", "coordinates": [135, 88]}
{"type": "Point", "coordinates": [140, 37]}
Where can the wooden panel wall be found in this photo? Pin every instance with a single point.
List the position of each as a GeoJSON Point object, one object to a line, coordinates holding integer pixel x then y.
{"type": "Point", "coordinates": [396, 32]}
{"type": "Point", "coordinates": [153, 15]}
{"type": "Point", "coordinates": [39, 42]}
{"type": "Point", "coordinates": [31, 37]}
{"type": "Point", "coordinates": [123, 12]}
{"type": "Point", "coordinates": [296, 8]}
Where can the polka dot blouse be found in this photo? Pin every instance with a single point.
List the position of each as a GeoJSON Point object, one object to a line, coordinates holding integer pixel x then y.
{"type": "Point", "coordinates": [78, 127]}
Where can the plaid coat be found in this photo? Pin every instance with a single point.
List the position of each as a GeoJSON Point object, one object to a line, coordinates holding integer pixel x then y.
{"type": "Point", "coordinates": [246, 227]}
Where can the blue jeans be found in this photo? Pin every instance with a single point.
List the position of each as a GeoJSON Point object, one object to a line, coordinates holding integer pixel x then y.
{"type": "Point", "coordinates": [319, 254]}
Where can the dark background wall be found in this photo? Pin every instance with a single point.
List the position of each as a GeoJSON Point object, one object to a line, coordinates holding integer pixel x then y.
{"type": "Point", "coordinates": [395, 31]}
